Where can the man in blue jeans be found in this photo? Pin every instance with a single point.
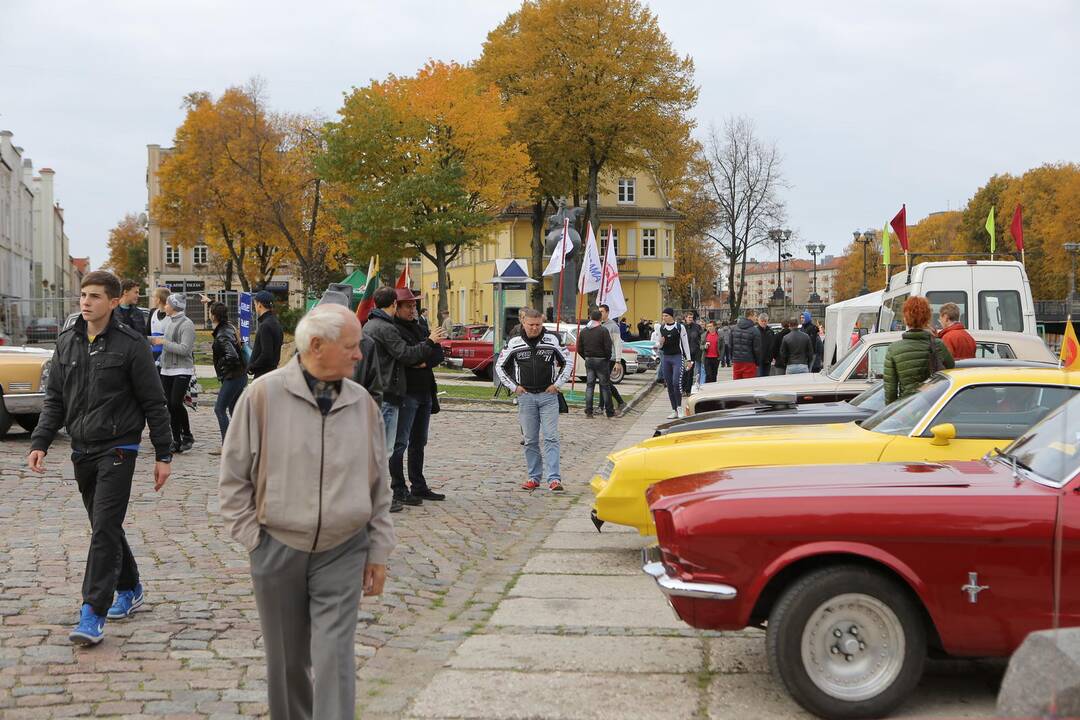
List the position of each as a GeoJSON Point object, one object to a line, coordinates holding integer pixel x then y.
{"type": "Point", "coordinates": [674, 356]}
{"type": "Point", "coordinates": [534, 365]}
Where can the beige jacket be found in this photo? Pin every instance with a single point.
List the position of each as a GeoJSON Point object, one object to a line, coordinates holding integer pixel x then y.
{"type": "Point", "coordinates": [310, 481]}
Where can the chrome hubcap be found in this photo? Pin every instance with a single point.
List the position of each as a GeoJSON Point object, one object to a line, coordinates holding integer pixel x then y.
{"type": "Point", "coordinates": [853, 647]}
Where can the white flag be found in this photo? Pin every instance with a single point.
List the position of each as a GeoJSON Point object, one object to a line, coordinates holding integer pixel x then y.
{"type": "Point", "coordinates": [563, 248]}
{"type": "Point", "coordinates": [591, 269]}
{"type": "Point", "coordinates": [611, 288]}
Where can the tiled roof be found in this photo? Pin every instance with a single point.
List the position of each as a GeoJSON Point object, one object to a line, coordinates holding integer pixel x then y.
{"type": "Point", "coordinates": [608, 212]}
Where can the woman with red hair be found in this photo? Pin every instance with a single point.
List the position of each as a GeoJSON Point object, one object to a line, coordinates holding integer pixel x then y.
{"type": "Point", "coordinates": [917, 355]}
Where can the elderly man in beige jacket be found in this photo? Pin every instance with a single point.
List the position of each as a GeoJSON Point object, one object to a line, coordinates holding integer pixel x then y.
{"type": "Point", "coordinates": [305, 488]}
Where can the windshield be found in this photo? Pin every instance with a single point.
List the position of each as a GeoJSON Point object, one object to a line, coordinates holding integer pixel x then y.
{"type": "Point", "coordinates": [901, 417]}
{"type": "Point", "coordinates": [1051, 449]}
{"type": "Point", "coordinates": [840, 369]}
{"type": "Point", "coordinates": [872, 399]}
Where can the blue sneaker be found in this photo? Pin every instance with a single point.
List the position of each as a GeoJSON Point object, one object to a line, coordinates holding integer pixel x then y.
{"type": "Point", "coordinates": [91, 628]}
{"type": "Point", "coordinates": [127, 602]}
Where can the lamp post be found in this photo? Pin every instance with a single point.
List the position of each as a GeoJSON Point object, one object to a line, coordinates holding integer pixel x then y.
{"type": "Point", "coordinates": [814, 251]}
{"type": "Point", "coordinates": [864, 238]}
{"type": "Point", "coordinates": [779, 237]}
{"type": "Point", "coordinates": [1072, 249]}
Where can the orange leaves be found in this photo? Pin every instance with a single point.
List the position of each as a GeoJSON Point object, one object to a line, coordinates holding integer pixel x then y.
{"type": "Point", "coordinates": [128, 251]}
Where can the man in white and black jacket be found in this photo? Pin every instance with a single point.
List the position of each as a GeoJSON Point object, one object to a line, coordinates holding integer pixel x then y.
{"type": "Point", "coordinates": [534, 365]}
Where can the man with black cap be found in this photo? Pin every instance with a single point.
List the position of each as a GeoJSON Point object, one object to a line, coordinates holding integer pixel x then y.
{"type": "Point", "coordinates": [395, 354]}
{"type": "Point", "coordinates": [266, 352]}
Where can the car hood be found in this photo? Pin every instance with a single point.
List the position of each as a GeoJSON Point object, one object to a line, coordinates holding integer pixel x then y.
{"type": "Point", "coordinates": [23, 352]}
{"type": "Point", "coordinates": [833, 480]}
{"type": "Point", "coordinates": [752, 435]}
{"type": "Point", "coordinates": [761, 414]}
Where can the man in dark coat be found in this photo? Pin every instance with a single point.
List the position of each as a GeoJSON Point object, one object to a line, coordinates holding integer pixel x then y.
{"type": "Point", "coordinates": [745, 347]}
{"type": "Point", "coordinates": [266, 352]}
{"type": "Point", "coordinates": [767, 346]}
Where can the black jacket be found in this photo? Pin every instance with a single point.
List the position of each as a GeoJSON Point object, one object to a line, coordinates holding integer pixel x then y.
{"type": "Point", "coordinates": [768, 346]}
{"type": "Point", "coordinates": [594, 342]}
{"type": "Point", "coordinates": [694, 333]}
{"type": "Point", "coordinates": [105, 393]}
{"type": "Point", "coordinates": [816, 342]}
{"type": "Point", "coordinates": [533, 363]}
{"type": "Point", "coordinates": [266, 352]}
{"type": "Point", "coordinates": [367, 370]}
{"type": "Point", "coordinates": [746, 342]}
{"type": "Point", "coordinates": [420, 381]}
{"type": "Point", "coordinates": [228, 360]}
{"type": "Point", "coordinates": [394, 354]}
{"type": "Point", "coordinates": [133, 317]}
{"type": "Point", "coordinates": [796, 349]}
{"type": "Point", "coordinates": [778, 342]}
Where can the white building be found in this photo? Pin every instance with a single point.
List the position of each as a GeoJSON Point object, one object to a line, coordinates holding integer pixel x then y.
{"type": "Point", "coordinates": [52, 267]}
{"type": "Point", "coordinates": [16, 220]}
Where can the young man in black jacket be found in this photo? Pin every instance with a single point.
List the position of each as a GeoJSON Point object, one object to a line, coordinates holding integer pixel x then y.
{"type": "Point", "coordinates": [103, 387]}
{"type": "Point", "coordinates": [594, 346]}
{"type": "Point", "coordinates": [417, 406]}
{"type": "Point", "coordinates": [128, 312]}
{"type": "Point", "coordinates": [266, 352]}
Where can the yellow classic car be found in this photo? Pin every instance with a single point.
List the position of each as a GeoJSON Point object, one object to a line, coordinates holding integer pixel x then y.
{"type": "Point", "coordinates": [956, 415]}
{"type": "Point", "coordinates": [23, 374]}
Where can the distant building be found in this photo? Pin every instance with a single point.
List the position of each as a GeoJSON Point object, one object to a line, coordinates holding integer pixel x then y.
{"type": "Point", "coordinates": [16, 220]}
{"type": "Point", "coordinates": [796, 277]}
{"type": "Point", "coordinates": [79, 268]}
{"type": "Point", "coordinates": [52, 270]}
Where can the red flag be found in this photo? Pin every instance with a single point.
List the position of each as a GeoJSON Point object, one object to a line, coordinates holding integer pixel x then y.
{"type": "Point", "coordinates": [899, 226]}
{"type": "Point", "coordinates": [405, 278]}
{"type": "Point", "coordinates": [1017, 227]}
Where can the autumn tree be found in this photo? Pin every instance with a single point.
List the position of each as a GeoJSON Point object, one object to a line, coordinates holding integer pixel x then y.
{"type": "Point", "coordinates": [598, 85]}
{"type": "Point", "coordinates": [129, 249]}
{"type": "Point", "coordinates": [849, 275]}
{"type": "Point", "coordinates": [424, 164]}
{"type": "Point", "coordinates": [697, 258]}
{"type": "Point", "coordinates": [742, 179]}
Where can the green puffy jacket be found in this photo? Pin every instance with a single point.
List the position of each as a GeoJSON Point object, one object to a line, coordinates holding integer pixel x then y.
{"type": "Point", "coordinates": [907, 363]}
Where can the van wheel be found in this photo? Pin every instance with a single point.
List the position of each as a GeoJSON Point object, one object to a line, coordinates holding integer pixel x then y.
{"type": "Point", "coordinates": [847, 642]}
{"type": "Point", "coordinates": [618, 372]}
{"type": "Point", "coordinates": [27, 421]}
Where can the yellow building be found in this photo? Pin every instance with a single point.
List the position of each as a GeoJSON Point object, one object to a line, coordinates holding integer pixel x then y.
{"type": "Point", "coordinates": [644, 226]}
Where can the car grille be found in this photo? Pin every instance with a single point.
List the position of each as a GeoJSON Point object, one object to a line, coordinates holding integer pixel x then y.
{"type": "Point", "coordinates": [20, 387]}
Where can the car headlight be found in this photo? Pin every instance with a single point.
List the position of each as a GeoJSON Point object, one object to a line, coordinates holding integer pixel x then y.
{"type": "Point", "coordinates": [606, 469]}
{"type": "Point", "coordinates": [45, 368]}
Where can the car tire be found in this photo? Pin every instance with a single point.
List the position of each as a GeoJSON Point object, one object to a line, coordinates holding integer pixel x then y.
{"type": "Point", "coordinates": [483, 373]}
{"type": "Point", "coordinates": [5, 419]}
{"type": "Point", "coordinates": [847, 642]}
{"type": "Point", "coordinates": [618, 372]}
{"type": "Point", "coordinates": [27, 421]}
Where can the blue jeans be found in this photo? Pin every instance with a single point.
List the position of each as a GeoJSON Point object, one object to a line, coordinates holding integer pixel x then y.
{"type": "Point", "coordinates": [538, 414]}
{"type": "Point", "coordinates": [671, 369]}
{"type": "Point", "coordinates": [390, 413]}
{"type": "Point", "coordinates": [797, 369]}
{"type": "Point", "coordinates": [412, 434]}
{"type": "Point", "coordinates": [699, 367]}
{"type": "Point", "coordinates": [226, 401]}
{"type": "Point", "coordinates": [598, 371]}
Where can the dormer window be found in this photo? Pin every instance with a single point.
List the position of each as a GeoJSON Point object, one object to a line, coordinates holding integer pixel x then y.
{"type": "Point", "coordinates": [626, 190]}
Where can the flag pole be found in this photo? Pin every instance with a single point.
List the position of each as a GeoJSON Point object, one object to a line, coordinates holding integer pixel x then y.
{"type": "Point", "coordinates": [562, 269]}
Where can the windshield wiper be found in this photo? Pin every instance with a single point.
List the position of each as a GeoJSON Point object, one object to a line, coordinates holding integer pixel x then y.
{"type": "Point", "coordinates": [1014, 461]}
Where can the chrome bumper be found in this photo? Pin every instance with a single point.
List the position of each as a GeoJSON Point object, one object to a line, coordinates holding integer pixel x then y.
{"type": "Point", "coordinates": [673, 587]}
{"type": "Point", "coordinates": [24, 403]}
{"type": "Point", "coordinates": [454, 363]}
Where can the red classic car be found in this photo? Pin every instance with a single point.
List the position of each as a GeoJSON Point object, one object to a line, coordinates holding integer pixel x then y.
{"type": "Point", "coordinates": [858, 571]}
{"type": "Point", "coordinates": [472, 352]}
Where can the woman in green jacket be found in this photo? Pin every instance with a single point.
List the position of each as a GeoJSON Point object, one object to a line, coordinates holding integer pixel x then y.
{"type": "Point", "coordinates": [909, 362]}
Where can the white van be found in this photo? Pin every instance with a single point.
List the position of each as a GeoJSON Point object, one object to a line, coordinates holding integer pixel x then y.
{"type": "Point", "coordinates": [991, 294]}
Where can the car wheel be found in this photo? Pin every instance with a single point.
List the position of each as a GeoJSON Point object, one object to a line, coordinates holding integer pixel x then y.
{"type": "Point", "coordinates": [27, 421]}
{"type": "Point", "coordinates": [618, 372]}
{"type": "Point", "coordinates": [847, 642]}
{"type": "Point", "coordinates": [483, 373]}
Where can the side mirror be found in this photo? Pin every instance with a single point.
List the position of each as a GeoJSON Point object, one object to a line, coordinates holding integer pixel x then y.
{"type": "Point", "coordinates": [943, 433]}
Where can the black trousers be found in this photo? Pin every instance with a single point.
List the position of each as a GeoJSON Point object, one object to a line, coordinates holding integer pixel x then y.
{"type": "Point", "coordinates": [616, 397]}
{"type": "Point", "coordinates": [175, 389]}
{"type": "Point", "coordinates": [104, 481]}
{"type": "Point", "coordinates": [712, 365]}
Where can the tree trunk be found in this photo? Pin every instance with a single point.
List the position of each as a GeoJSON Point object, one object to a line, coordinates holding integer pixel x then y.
{"type": "Point", "coordinates": [228, 275]}
{"type": "Point", "coordinates": [594, 197]}
{"type": "Point", "coordinates": [538, 255]}
{"type": "Point", "coordinates": [444, 279]}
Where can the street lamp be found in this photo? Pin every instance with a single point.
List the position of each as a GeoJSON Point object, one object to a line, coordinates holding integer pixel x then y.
{"type": "Point", "coordinates": [779, 237]}
{"type": "Point", "coordinates": [816, 250]}
{"type": "Point", "coordinates": [864, 238]}
{"type": "Point", "coordinates": [1072, 249]}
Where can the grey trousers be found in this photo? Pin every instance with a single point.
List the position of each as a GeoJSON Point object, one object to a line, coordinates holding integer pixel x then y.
{"type": "Point", "coordinates": [308, 605]}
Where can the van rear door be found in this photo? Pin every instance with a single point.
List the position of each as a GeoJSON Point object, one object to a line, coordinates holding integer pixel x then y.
{"type": "Point", "coordinates": [950, 283]}
{"type": "Point", "coordinates": [1001, 299]}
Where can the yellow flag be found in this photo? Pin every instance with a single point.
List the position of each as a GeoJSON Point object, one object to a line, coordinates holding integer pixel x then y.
{"type": "Point", "coordinates": [1070, 348]}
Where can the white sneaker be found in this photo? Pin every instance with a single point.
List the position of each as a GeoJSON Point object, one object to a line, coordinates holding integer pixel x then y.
{"type": "Point", "coordinates": [673, 415]}
{"type": "Point", "coordinates": [682, 412]}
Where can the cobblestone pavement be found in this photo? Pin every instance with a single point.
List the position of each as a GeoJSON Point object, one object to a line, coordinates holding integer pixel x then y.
{"type": "Point", "coordinates": [194, 650]}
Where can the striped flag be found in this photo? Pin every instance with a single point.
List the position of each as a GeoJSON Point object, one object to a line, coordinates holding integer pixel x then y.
{"type": "Point", "coordinates": [367, 299]}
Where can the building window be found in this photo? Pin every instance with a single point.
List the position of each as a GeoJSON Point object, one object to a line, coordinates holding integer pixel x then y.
{"type": "Point", "coordinates": [200, 254]}
{"type": "Point", "coordinates": [626, 190]}
{"type": "Point", "coordinates": [667, 243]}
{"type": "Point", "coordinates": [648, 242]}
{"type": "Point", "coordinates": [172, 255]}
{"type": "Point", "coordinates": [604, 239]}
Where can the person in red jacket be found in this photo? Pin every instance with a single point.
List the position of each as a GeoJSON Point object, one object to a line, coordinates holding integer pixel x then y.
{"type": "Point", "coordinates": [953, 334]}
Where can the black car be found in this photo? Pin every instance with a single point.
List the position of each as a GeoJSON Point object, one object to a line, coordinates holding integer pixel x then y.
{"type": "Point", "coordinates": [782, 408]}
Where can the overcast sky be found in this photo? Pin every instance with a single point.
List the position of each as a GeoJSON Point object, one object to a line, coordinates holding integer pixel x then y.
{"type": "Point", "coordinates": [872, 103]}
